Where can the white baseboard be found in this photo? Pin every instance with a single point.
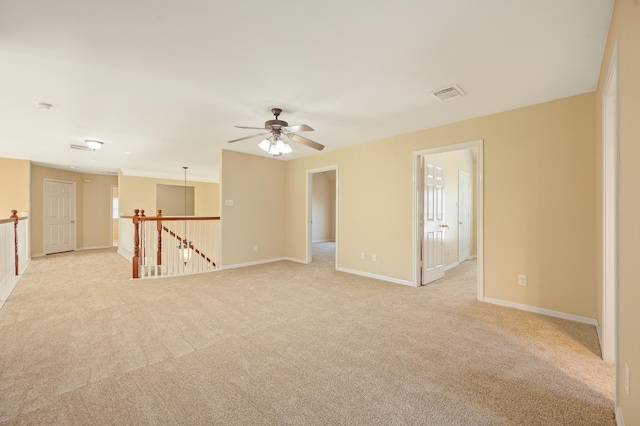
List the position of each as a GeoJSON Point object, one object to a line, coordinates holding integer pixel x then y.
{"type": "Point", "coordinates": [14, 283]}
{"type": "Point", "coordinates": [453, 265]}
{"type": "Point", "coordinates": [323, 241]}
{"type": "Point", "coordinates": [125, 253]}
{"type": "Point", "coordinates": [375, 276]}
{"type": "Point", "coordinates": [291, 259]}
{"type": "Point", "coordinates": [93, 248]}
{"type": "Point", "coordinates": [549, 312]}
{"type": "Point", "coordinates": [24, 267]}
{"type": "Point", "coordinates": [619, 419]}
{"type": "Point", "coordinates": [599, 335]}
{"type": "Point", "coordinates": [257, 262]}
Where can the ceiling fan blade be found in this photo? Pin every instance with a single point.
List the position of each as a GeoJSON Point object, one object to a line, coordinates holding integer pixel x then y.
{"type": "Point", "coordinates": [250, 128]}
{"type": "Point", "coordinates": [300, 128]}
{"type": "Point", "coordinates": [304, 141]}
{"type": "Point", "coordinates": [248, 137]}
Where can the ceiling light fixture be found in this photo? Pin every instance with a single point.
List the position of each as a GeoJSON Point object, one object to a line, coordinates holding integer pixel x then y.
{"type": "Point", "coordinates": [44, 105]}
{"type": "Point", "coordinates": [275, 146]}
{"type": "Point", "coordinates": [93, 144]}
{"type": "Point", "coordinates": [185, 246]}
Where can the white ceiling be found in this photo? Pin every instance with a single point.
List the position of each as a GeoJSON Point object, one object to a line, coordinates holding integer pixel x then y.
{"type": "Point", "coordinates": [163, 83]}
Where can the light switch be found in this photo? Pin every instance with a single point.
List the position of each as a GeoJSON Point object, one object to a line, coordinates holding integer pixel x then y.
{"type": "Point", "coordinates": [228, 203]}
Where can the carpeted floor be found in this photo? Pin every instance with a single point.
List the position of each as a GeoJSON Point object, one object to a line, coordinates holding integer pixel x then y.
{"type": "Point", "coordinates": [285, 344]}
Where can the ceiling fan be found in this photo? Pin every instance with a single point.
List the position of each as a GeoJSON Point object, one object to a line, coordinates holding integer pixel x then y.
{"type": "Point", "coordinates": [274, 144]}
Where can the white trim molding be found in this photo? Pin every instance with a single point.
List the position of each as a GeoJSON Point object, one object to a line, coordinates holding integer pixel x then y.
{"type": "Point", "coordinates": [376, 277]}
{"type": "Point", "coordinates": [610, 208]}
{"type": "Point", "coordinates": [257, 262]}
{"type": "Point", "coordinates": [543, 311]}
{"type": "Point", "coordinates": [619, 419]}
{"type": "Point", "coordinates": [453, 265]}
{"type": "Point", "coordinates": [93, 248]}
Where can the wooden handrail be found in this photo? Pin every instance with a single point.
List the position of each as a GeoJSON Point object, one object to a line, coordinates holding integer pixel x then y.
{"type": "Point", "coordinates": [11, 220]}
{"type": "Point", "coordinates": [172, 218]}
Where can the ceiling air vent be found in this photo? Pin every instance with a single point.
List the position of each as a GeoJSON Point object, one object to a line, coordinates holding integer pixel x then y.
{"type": "Point", "coordinates": [80, 147]}
{"type": "Point", "coordinates": [448, 93]}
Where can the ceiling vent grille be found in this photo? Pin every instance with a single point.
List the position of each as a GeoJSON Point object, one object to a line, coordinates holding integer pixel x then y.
{"type": "Point", "coordinates": [80, 147]}
{"type": "Point", "coordinates": [448, 93]}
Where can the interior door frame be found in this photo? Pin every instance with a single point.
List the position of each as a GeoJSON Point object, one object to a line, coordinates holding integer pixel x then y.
{"type": "Point", "coordinates": [310, 173]}
{"type": "Point", "coordinates": [417, 205]}
{"type": "Point", "coordinates": [45, 214]}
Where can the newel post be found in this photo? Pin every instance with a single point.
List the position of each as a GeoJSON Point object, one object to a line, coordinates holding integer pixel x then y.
{"type": "Point", "coordinates": [136, 243]}
{"type": "Point", "coordinates": [159, 228]}
{"type": "Point", "coordinates": [14, 216]}
{"type": "Point", "coordinates": [143, 240]}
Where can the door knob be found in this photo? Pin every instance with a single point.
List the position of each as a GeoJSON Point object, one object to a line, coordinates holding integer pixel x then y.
{"type": "Point", "coordinates": [444, 226]}
{"type": "Point", "coordinates": [73, 221]}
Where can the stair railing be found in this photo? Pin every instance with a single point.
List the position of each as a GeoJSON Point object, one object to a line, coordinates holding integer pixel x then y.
{"type": "Point", "coordinates": [14, 252]}
{"type": "Point", "coordinates": [160, 244]}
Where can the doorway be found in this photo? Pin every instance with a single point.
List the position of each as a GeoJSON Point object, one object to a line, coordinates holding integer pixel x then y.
{"type": "Point", "coordinates": [322, 212]}
{"type": "Point", "coordinates": [59, 216]}
{"type": "Point", "coordinates": [451, 249]}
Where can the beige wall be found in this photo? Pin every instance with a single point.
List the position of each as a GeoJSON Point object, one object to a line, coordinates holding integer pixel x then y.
{"type": "Point", "coordinates": [453, 162]}
{"type": "Point", "coordinates": [625, 28]}
{"type": "Point", "coordinates": [539, 202]}
{"type": "Point", "coordinates": [175, 200]}
{"type": "Point", "coordinates": [140, 193]}
{"type": "Point", "coordinates": [256, 185]}
{"type": "Point", "coordinates": [96, 209]}
{"type": "Point", "coordinates": [93, 207]}
{"type": "Point", "coordinates": [323, 206]}
{"type": "Point", "coordinates": [14, 186]}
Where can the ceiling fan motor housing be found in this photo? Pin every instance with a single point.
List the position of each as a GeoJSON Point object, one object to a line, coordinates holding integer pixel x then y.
{"type": "Point", "coordinates": [275, 124]}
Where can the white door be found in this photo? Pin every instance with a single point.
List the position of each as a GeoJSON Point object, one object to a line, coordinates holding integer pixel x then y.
{"type": "Point", "coordinates": [433, 228]}
{"type": "Point", "coordinates": [59, 216]}
{"type": "Point", "coordinates": [464, 216]}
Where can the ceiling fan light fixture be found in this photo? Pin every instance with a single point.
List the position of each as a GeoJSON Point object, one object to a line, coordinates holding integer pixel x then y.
{"type": "Point", "coordinates": [286, 148]}
{"type": "Point", "coordinates": [265, 144]}
{"type": "Point", "coordinates": [274, 144]}
{"type": "Point", "coordinates": [93, 144]}
{"type": "Point", "coordinates": [273, 150]}
{"type": "Point", "coordinates": [280, 145]}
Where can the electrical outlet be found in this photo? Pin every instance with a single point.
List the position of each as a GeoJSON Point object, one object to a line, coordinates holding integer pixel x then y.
{"type": "Point", "coordinates": [374, 258]}
{"type": "Point", "coordinates": [627, 378]}
{"type": "Point", "coordinates": [522, 280]}
{"type": "Point", "coordinates": [255, 248]}
{"type": "Point", "coordinates": [363, 256]}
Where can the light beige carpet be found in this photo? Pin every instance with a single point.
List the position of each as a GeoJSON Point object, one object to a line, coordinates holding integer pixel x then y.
{"type": "Point", "coordinates": [285, 344]}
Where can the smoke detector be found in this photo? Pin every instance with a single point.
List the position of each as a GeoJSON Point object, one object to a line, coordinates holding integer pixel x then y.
{"type": "Point", "coordinates": [448, 93]}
